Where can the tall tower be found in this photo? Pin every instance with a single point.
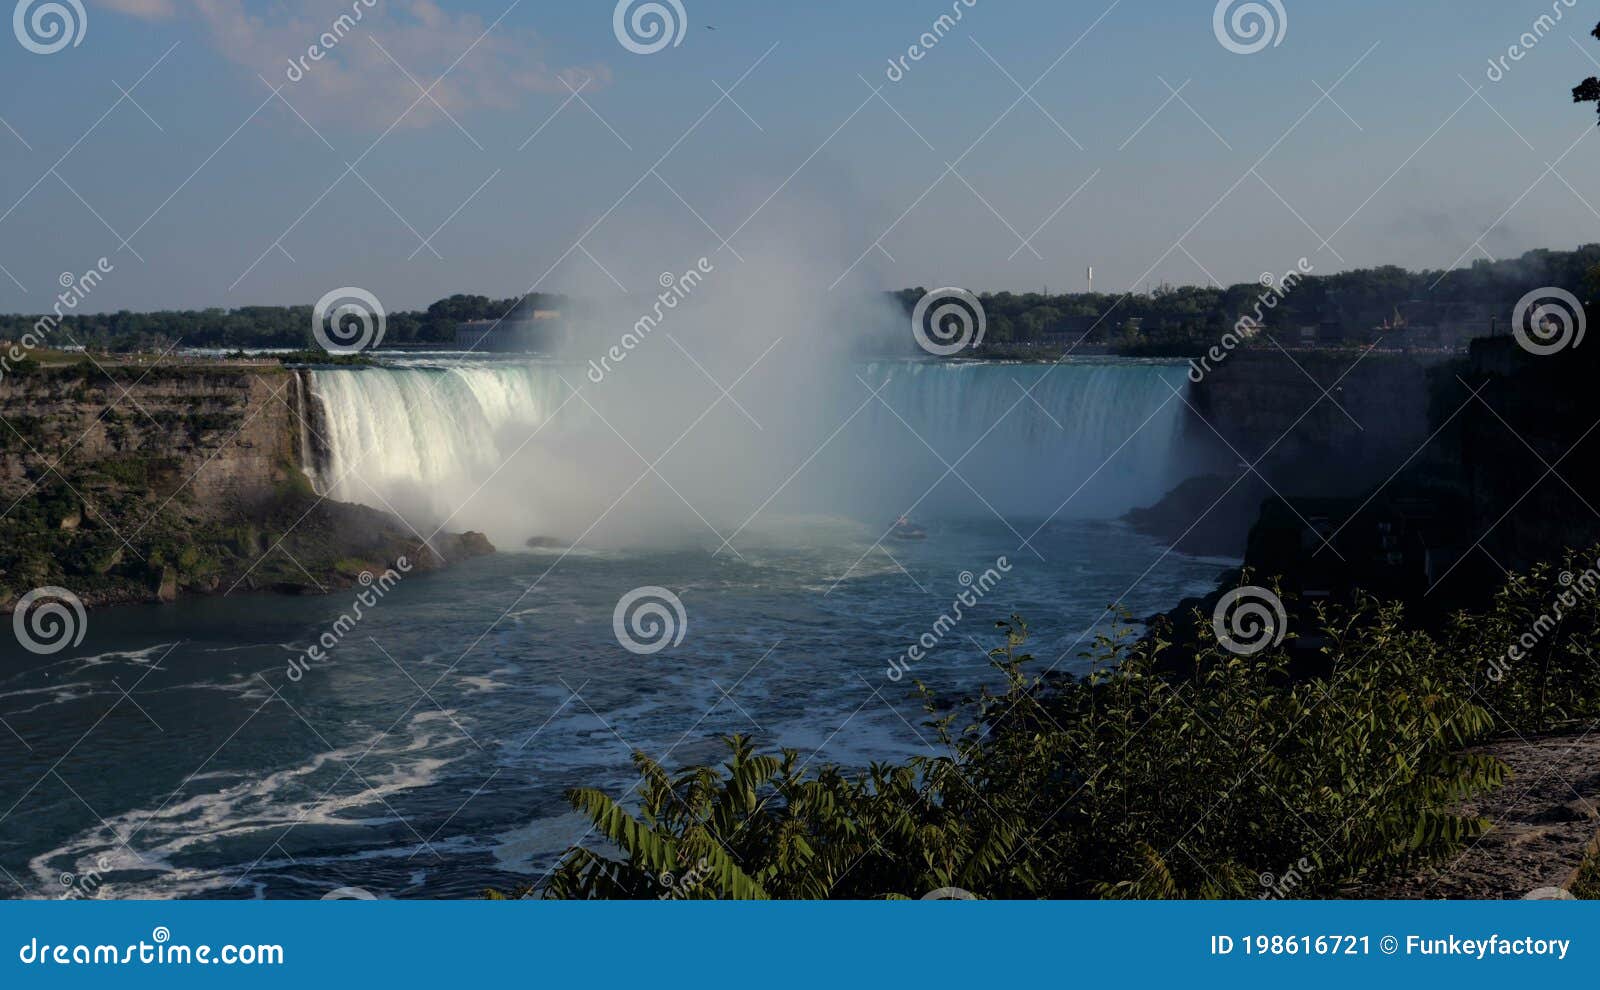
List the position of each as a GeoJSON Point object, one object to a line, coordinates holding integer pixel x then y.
{"type": "Point", "coordinates": [1091, 280]}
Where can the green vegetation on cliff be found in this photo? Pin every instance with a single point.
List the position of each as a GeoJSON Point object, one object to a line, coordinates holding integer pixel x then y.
{"type": "Point", "coordinates": [1201, 775]}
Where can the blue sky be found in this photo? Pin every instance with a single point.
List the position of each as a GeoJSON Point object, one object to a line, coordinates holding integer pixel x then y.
{"type": "Point", "coordinates": [227, 195]}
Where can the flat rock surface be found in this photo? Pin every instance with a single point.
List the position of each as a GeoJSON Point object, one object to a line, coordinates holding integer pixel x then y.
{"type": "Point", "coordinates": [1544, 820]}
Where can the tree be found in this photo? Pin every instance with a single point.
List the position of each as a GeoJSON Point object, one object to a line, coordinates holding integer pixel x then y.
{"type": "Point", "coordinates": [1588, 91]}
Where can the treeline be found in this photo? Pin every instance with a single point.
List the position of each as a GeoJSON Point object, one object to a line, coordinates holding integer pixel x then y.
{"type": "Point", "coordinates": [264, 326]}
{"type": "Point", "coordinates": [1357, 299]}
{"type": "Point", "coordinates": [1175, 319]}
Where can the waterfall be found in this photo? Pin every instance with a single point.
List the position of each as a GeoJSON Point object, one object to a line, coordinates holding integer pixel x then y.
{"type": "Point", "coordinates": [389, 428]}
{"type": "Point", "coordinates": [487, 443]}
{"type": "Point", "coordinates": [1090, 439]}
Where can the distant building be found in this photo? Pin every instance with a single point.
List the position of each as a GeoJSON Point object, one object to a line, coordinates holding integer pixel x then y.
{"type": "Point", "coordinates": [1439, 325]}
{"type": "Point", "coordinates": [537, 332]}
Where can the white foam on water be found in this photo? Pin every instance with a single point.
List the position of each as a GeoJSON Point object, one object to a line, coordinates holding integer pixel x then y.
{"type": "Point", "coordinates": [211, 810]}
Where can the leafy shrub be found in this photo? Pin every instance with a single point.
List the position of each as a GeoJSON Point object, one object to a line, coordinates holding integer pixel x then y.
{"type": "Point", "coordinates": [1134, 781]}
{"type": "Point", "coordinates": [1586, 886]}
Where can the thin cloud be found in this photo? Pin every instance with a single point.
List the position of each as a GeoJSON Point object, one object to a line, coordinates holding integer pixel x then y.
{"type": "Point", "coordinates": [337, 59]}
{"type": "Point", "coordinates": [148, 9]}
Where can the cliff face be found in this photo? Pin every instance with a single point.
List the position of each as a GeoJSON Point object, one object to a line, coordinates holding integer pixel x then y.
{"type": "Point", "coordinates": [1320, 423]}
{"type": "Point", "coordinates": [217, 436]}
{"type": "Point", "coordinates": [1505, 476]}
{"type": "Point", "coordinates": [128, 482]}
{"type": "Point", "coordinates": [1527, 451]}
{"type": "Point", "coordinates": [1267, 402]}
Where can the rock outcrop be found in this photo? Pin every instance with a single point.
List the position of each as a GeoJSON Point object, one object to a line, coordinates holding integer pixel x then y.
{"type": "Point", "coordinates": [129, 482]}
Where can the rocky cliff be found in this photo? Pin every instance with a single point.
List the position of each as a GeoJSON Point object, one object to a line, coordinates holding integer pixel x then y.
{"type": "Point", "coordinates": [1501, 473]}
{"type": "Point", "coordinates": [1326, 422]}
{"type": "Point", "coordinates": [134, 482]}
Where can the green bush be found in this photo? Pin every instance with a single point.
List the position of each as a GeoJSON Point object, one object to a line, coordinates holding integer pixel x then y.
{"type": "Point", "coordinates": [1586, 886]}
{"type": "Point", "coordinates": [1218, 781]}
